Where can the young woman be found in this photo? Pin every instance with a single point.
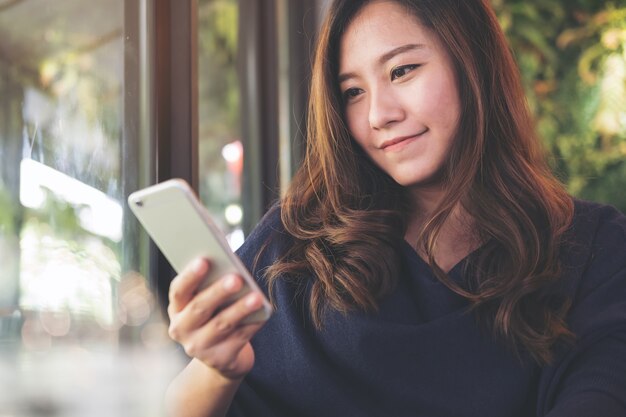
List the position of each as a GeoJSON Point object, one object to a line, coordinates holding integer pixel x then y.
{"type": "Point", "coordinates": [424, 262]}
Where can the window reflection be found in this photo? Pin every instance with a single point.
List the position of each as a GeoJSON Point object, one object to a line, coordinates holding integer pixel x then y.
{"type": "Point", "coordinates": [62, 101]}
{"type": "Point", "coordinates": [64, 270]}
{"type": "Point", "coordinates": [68, 295]}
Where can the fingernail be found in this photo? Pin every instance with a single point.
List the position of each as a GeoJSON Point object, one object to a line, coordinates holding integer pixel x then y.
{"type": "Point", "coordinates": [231, 283]}
{"type": "Point", "coordinates": [253, 301]}
{"type": "Point", "coordinates": [199, 265]}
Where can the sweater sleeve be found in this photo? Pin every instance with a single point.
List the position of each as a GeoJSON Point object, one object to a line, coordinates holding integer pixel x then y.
{"type": "Point", "coordinates": [589, 376]}
{"type": "Point", "coordinates": [595, 382]}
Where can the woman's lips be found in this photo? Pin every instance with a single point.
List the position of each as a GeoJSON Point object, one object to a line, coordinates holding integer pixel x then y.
{"type": "Point", "coordinates": [400, 142]}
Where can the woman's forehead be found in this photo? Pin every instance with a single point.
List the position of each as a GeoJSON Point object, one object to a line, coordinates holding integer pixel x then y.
{"type": "Point", "coordinates": [378, 29]}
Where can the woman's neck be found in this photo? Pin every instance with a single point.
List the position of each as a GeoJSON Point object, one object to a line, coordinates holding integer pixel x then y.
{"type": "Point", "coordinates": [456, 238]}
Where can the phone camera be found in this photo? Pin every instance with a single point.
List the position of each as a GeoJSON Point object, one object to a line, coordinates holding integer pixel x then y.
{"type": "Point", "coordinates": [139, 203]}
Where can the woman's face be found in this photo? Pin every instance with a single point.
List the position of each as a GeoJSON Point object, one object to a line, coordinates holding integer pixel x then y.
{"type": "Point", "coordinates": [400, 93]}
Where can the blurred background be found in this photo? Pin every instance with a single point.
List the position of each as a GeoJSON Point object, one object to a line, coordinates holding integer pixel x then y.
{"type": "Point", "coordinates": [100, 98]}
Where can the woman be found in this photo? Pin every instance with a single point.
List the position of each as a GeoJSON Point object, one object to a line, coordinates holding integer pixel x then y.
{"type": "Point", "coordinates": [424, 261]}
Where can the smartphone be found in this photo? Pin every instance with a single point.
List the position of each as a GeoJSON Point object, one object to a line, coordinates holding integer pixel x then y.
{"type": "Point", "coordinates": [183, 230]}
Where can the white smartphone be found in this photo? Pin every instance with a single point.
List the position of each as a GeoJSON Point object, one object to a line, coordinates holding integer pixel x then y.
{"type": "Point", "coordinates": [183, 230]}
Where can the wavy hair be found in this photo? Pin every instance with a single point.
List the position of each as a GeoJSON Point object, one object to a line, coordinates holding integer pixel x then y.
{"type": "Point", "coordinates": [347, 217]}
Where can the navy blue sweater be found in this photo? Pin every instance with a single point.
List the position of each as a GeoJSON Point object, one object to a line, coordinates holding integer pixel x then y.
{"type": "Point", "coordinates": [422, 354]}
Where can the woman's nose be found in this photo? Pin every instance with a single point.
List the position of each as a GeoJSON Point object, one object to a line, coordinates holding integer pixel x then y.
{"type": "Point", "coordinates": [384, 109]}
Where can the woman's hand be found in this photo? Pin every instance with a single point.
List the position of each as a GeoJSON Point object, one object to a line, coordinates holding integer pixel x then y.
{"type": "Point", "coordinates": [216, 337]}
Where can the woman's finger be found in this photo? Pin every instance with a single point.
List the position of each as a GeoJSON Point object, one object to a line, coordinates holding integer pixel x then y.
{"type": "Point", "coordinates": [184, 286]}
{"type": "Point", "coordinates": [207, 302]}
{"type": "Point", "coordinates": [230, 320]}
{"type": "Point", "coordinates": [220, 354]}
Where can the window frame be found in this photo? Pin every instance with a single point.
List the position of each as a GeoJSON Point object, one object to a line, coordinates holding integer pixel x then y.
{"type": "Point", "coordinates": [275, 40]}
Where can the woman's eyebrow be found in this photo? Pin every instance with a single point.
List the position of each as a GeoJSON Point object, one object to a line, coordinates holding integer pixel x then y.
{"type": "Point", "coordinates": [399, 50]}
{"type": "Point", "coordinates": [386, 57]}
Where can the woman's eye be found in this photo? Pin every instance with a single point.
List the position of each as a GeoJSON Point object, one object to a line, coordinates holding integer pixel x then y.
{"type": "Point", "coordinates": [402, 71]}
{"type": "Point", "coordinates": [351, 93]}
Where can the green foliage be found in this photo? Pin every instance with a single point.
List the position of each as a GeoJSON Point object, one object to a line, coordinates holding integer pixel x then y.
{"type": "Point", "coordinates": [218, 81]}
{"type": "Point", "coordinates": [572, 56]}
{"type": "Point", "coordinates": [62, 220]}
{"type": "Point", "coordinates": [59, 215]}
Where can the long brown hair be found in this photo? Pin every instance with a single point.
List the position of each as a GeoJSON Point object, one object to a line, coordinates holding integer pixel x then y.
{"type": "Point", "coordinates": [348, 218]}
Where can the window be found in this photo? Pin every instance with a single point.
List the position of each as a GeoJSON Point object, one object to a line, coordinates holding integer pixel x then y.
{"type": "Point", "coordinates": [101, 98]}
{"type": "Point", "coordinates": [221, 153]}
{"type": "Point", "coordinates": [74, 143]}
{"type": "Point", "coordinates": [253, 77]}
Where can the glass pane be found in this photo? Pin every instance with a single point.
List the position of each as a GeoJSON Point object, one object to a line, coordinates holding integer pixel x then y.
{"type": "Point", "coordinates": [69, 297]}
{"type": "Point", "coordinates": [220, 146]}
